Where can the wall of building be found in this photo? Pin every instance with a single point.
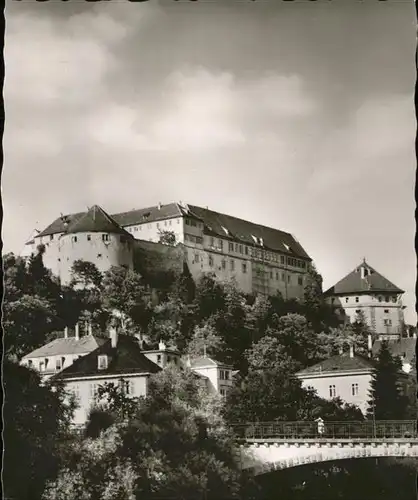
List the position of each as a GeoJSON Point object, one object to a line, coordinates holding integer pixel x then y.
{"type": "Point", "coordinates": [150, 231]}
{"type": "Point", "coordinates": [383, 313]}
{"type": "Point", "coordinates": [217, 383]}
{"type": "Point", "coordinates": [84, 390]}
{"type": "Point", "coordinates": [91, 247]}
{"type": "Point", "coordinates": [343, 387]}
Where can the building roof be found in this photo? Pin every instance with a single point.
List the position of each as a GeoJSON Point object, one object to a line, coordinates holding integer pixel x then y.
{"type": "Point", "coordinates": [95, 220]}
{"type": "Point", "coordinates": [215, 223]}
{"type": "Point", "coordinates": [227, 225]}
{"type": "Point", "coordinates": [67, 346]}
{"type": "Point", "coordinates": [150, 214]}
{"type": "Point", "coordinates": [354, 283]}
{"type": "Point", "coordinates": [204, 361]}
{"type": "Point", "coordinates": [127, 357]}
{"type": "Point", "coordinates": [338, 363]}
{"type": "Point", "coordinates": [404, 347]}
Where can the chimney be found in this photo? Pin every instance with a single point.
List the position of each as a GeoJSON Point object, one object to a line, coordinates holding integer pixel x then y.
{"type": "Point", "coordinates": [351, 351]}
{"type": "Point", "coordinates": [77, 331]}
{"type": "Point", "coordinates": [161, 346]}
{"type": "Point", "coordinates": [66, 332]}
{"type": "Point", "coordinates": [414, 335]}
{"type": "Point", "coordinates": [159, 205]}
{"type": "Point", "coordinates": [90, 329]}
{"type": "Point", "coordinates": [113, 334]}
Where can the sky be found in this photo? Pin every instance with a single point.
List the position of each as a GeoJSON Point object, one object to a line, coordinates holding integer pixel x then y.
{"type": "Point", "coordinates": [297, 115]}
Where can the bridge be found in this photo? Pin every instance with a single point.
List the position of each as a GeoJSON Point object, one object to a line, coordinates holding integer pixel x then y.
{"type": "Point", "coordinates": [269, 446]}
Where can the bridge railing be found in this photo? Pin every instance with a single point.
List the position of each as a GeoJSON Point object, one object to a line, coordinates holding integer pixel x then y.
{"type": "Point", "coordinates": [367, 429]}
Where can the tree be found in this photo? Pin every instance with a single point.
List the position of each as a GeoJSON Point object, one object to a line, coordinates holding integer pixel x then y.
{"type": "Point", "coordinates": [167, 238]}
{"type": "Point", "coordinates": [36, 422]}
{"type": "Point", "coordinates": [174, 447]}
{"type": "Point", "coordinates": [85, 274]}
{"type": "Point", "coordinates": [386, 399]}
{"type": "Point", "coordinates": [269, 354]}
{"type": "Point", "coordinates": [210, 297]}
{"type": "Point", "coordinates": [205, 339]}
{"type": "Point", "coordinates": [125, 293]}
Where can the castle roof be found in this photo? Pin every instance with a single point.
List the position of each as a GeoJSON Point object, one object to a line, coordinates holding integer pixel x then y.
{"type": "Point", "coordinates": [339, 363]}
{"type": "Point", "coordinates": [215, 223]}
{"type": "Point", "coordinates": [372, 282]}
{"type": "Point", "coordinates": [125, 358]}
{"type": "Point", "coordinates": [67, 346]}
{"type": "Point", "coordinates": [204, 362]}
{"type": "Point", "coordinates": [95, 220]}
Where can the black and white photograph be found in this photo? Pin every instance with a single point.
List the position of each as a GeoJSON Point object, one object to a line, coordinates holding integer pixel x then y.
{"type": "Point", "coordinates": [209, 259]}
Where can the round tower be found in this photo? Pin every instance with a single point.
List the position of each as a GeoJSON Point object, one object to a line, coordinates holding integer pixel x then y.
{"type": "Point", "coordinates": [96, 238]}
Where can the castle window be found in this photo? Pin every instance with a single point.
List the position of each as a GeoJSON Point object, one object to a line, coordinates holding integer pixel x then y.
{"type": "Point", "coordinates": [89, 237]}
{"type": "Point", "coordinates": [246, 250]}
{"type": "Point", "coordinates": [271, 274]}
{"type": "Point", "coordinates": [244, 267]}
{"type": "Point", "coordinates": [232, 264]}
{"type": "Point", "coordinates": [158, 224]}
{"type": "Point", "coordinates": [74, 239]}
{"type": "Point", "coordinates": [357, 299]}
{"type": "Point", "coordinates": [380, 298]}
{"type": "Point", "coordinates": [283, 277]}
{"type": "Point", "coordinates": [159, 359]}
{"type": "Point", "coordinates": [288, 278]}
{"type": "Point", "coordinates": [59, 260]}
{"type": "Point", "coordinates": [386, 311]}
{"type": "Point", "coordinates": [281, 259]}
{"type": "Point", "coordinates": [354, 389]}
{"type": "Point", "coordinates": [210, 260]}
{"type": "Point", "coordinates": [223, 265]}
{"type": "Point", "coordinates": [220, 244]}
{"type": "Point", "coordinates": [387, 322]}
{"type": "Point", "coordinates": [212, 242]}
{"type": "Point", "coordinates": [105, 237]}
{"type": "Point", "coordinates": [169, 222]}
{"type": "Point", "coordinates": [357, 311]}
{"type": "Point", "coordinates": [277, 275]}
{"type": "Point", "coordinates": [393, 299]}
{"type": "Point", "coordinates": [187, 222]}
{"type": "Point", "coordinates": [51, 237]}
{"type": "Point", "coordinates": [332, 391]}
{"type": "Point", "coordinates": [99, 255]}
{"type": "Point", "coordinates": [240, 249]}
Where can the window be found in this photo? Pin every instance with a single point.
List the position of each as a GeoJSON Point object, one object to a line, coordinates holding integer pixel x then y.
{"type": "Point", "coordinates": [223, 392]}
{"type": "Point", "coordinates": [244, 267]}
{"type": "Point", "coordinates": [271, 274]}
{"type": "Point", "coordinates": [332, 300]}
{"type": "Point", "coordinates": [346, 299]}
{"type": "Point", "coordinates": [281, 259]}
{"type": "Point", "coordinates": [158, 225]}
{"type": "Point", "coordinates": [89, 237]}
{"type": "Point", "coordinates": [232, 264]}
{"type": "Point", "coordinates": [74, 239]}
{"type": "Point", "coordinates": [288, 278]}
{"type": "Point", "coordinates": [283, 277]}
{"type": "Point", "coordinates": [380, 298]}
{"type": "Point", "coordinates": [354, 389]}
{"type": "Point", "coordinates": [99, 255]}
{"type": "Point", "coordinates": [386, 311]}
{"type": "Point", "coordinates": [357, 311]}
{"type": "Point", "coordinates": [30, 362]}
{"type": "Point", "coordinates": [230, 247]}
{"type": "Point", "coordinates": [223, 264]}
{"type": "Point", "coordinates": [356, 299]}
{"type": "Point", "coordinates": [93, 390]}
{"type": "Point", "coordinates": [241, 250]}
{"type": "Point", "coordinates": [168, 359]}
{"type": "Point", "coordinates": [105, 237]}
{"type": "Point", "coordinates": [220, 245]}
{"type": "Point", "coordinates": [126, 386]}
{"type": "Point", "coordinates": [224, 374]}
{"type": "Point", "coordinates": [187, 222]}
{"type": "Point", "coordinates": [332, 391]}
{"type": "Point", "coordinates": [393, 299]}
{"type": "Point", "coordinates": [102, 362]}
{"type": "Point", "coordinates": [58, 363]}
{"type": "Point", "coordinates": [210, 260]}
{"type": "Point", "coordinates": [41, 366]}
{"type": "Point", "coordinates": [149, 226]}
{"type": "Point", "coordinates": [246, 250]}
{"type": "Point", "coordinates": [212, 242]}
{"type": "Point", "coordinates": [199, 240]}
{"type": "Point", "coordinates": [277, 275]}
{"type": "Point", "coordinates": [169, 222]}
{"type": "Point", "coordinates": [387, 322]}
{"type": "Point", "coordinates": [159, 359]}
{"type": "Point", "coordinates": [51, 237]}
{"type": "Point", "coordinates": [300, 280]}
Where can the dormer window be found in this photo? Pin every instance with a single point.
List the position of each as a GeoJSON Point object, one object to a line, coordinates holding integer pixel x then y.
{"type": "Point", "coordinates": [102, 362]}
{"type": "Point", "coordinates": [146, 215]}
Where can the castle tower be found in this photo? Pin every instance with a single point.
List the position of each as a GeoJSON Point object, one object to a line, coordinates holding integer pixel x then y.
{"type": "Point", "coordinates": [94, 237]}
{"type": "Point", "coordinates": [365, 291]}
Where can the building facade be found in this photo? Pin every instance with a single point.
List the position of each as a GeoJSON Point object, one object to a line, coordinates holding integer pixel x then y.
{"type": "Point", "coordinates": [346, 376]}
{"type": "Point", "coordinates": [257, 258]}
{"type": "Point", "coordinates": [365, 291]}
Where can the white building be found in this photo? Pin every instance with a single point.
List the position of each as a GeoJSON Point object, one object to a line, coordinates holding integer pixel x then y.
{"type": "Point", "coordinates": [219, 375]}
{"type": "Point", "coordinates": [259, 259]}
{"type": "Point", "coordinates": [366, 291]}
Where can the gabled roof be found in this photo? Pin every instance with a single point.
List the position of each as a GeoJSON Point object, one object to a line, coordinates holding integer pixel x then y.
{"type": "Point", "coordinates": [354, 283]}
{"type": "Point", "coordinates": [204, 362]}
{"type": "Point", "coordinates": [404, 347]}
{"type": "Point", "coordinates": [127, 357]}
{"type": "Point", "coordinates": [245, 231]}
{"type": "Point", "coordinates": [61, 223]}
{"type": "Point", "coordinates": [96, 220]}
{"type": "Point", "coordinates": [336, 364]}
{"type": "Point", "coordinates": [67, 346]}
{"type": "Point", "coordinates": [150, 214]}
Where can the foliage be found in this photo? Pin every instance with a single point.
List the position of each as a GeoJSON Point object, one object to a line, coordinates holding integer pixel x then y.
{"type": "Point", "coordinates": [167, 237]}
{"type": "Point", "coordinates": [386, 399]}
{"type": "Point", "coordinates": [205, 339]}
{"type": "Point", "coordinates": [36, 420]}
{"type": "Point", "coordinates": [174, 447]}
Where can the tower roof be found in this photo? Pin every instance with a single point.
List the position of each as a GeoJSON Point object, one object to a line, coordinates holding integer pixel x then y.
{"type": "Point", "coordinates": [95, 220]}
{"type": "Point", "coordinates": [363, 281]}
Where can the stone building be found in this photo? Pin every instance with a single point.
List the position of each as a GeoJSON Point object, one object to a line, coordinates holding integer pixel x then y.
{"type": "Point", "coordinates": [365, 291]}
{"type": "Point", "coordinates": [259, 259]}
